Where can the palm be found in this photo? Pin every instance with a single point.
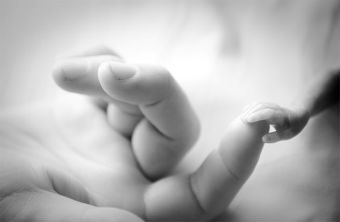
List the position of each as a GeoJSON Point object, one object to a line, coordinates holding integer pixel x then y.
{"type": "Point", "coordinates": [81, 145]}
{"type": "Point", "coordinates": [102, 159]}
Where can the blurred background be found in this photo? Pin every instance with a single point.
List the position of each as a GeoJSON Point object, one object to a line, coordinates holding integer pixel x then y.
{"type": "Point", "coordinates": [226, 54]}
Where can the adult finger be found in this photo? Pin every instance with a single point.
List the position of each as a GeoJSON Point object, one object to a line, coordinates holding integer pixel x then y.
{"type": "Point", "coordinates": [209, 190]}
{"type": "Point", "coordinates": [44, 206]}
{"type": "Point", "coordinates": [170, 127]}
{"type": "Point", "coordinates": [79, 74]}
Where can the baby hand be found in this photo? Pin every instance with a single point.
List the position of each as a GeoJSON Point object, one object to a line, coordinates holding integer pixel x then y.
{"type": "Point", "coordinates": [287, 122]}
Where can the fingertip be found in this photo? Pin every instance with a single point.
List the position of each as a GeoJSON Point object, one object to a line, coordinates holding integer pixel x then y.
{"type": "Point", "coordinates": [136, 84]}
{"type": "Point", "coordinates": [265, 139]}
{"type": "Point", "coordinates": [113, 71]}
{"type": "Point", "coordinates": [58, 73]}
{"type": "Point", "coordinates": [116, 79]}
{"type": "Point", "coordinates": [66, 72]}
{"type": "Point", "coordinates": [271, 138]}
{"type": "Point", "coordinates": [104, 73]}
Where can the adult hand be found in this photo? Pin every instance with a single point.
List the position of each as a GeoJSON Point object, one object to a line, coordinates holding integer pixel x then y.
{"type": "Point", "coordinates": [109, 159]}
{"type": "Point", "coordinates": [287, 122]}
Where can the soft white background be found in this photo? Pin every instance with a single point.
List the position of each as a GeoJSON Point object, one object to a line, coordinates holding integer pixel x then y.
{"type": "Point", "coordinates": [225, 54]}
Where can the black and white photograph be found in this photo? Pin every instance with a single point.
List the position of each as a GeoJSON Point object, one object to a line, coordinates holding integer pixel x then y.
{"type": "Point", "coordinates": [169, 111]}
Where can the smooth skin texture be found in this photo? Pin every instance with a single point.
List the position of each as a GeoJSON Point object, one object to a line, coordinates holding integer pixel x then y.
{"type": "Point", "coordinates": [107, 158]}
{"type": "Point", "coordinates": [287, 122]}
{"type": "Point", "coordinates": [320, 94]}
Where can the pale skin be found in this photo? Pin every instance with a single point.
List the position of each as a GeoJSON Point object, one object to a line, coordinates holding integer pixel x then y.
{"type": "Point", "coordinates": [107, 158]}
{"type": "Point", "coordinates": [320, 94]}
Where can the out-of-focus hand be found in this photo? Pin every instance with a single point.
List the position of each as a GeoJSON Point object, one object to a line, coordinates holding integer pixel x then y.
{"type": "Point", "coordinates": [287, 122]}
{"type": "Point", "coordinates": [108, 159]}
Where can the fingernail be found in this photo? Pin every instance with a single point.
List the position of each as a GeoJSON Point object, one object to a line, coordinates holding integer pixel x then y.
{"type": "Point", "coordinates": [122, 71]}
{"type": "Point", "coordinates": [72, 70]}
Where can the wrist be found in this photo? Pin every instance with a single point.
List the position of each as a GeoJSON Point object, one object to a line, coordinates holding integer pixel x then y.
{"type": "Point", "coordinates": [299, 118]}
{"type": "Point", "coordinates": [303, 113]}
{"type": "Point", "coordinates": [302, 118]}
